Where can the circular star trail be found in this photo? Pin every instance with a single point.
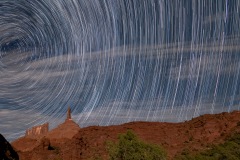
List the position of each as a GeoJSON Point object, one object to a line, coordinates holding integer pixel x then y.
{"type": "Point", "coordinates": [116, 61]}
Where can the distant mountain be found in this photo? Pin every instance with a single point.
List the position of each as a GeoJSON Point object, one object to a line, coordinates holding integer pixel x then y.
{"type": "Point", "coordinates": [70, 142]}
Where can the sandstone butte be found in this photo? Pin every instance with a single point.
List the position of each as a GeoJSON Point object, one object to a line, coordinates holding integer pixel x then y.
{"type": "Point", "coordinates": [70, 142]}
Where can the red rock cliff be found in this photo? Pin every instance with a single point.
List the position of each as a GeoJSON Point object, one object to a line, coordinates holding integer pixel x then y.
{"type": "Point", "coordinates": [38, 130]}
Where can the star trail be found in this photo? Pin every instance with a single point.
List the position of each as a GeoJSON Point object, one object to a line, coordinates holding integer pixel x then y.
{"type": "Point", "coordinates": [116, 61]}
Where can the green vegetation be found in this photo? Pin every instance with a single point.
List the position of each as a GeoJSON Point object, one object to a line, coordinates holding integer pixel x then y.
{"type": "Point", "coordinates": [98, 157]}
{"type": "Point", "coordinates": [230, 150]}
{"type": "Point", "coordinates": [129, 147]}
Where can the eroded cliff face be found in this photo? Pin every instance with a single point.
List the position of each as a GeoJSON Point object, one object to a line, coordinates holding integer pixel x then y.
{"type": "Point", "coordinates": [38, 130]}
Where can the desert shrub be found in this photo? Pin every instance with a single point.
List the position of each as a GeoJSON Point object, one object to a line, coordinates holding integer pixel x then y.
{"type": "Point", "coordinates": [98, 157]}
{"type": "Point", "coordinates": [130, 147]}
{"type": "Point", "coordinates": [228, 150]}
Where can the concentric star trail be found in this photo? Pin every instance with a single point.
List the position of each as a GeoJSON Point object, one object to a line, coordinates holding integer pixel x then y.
{"type": "Point", "coordinates": [115, 61]}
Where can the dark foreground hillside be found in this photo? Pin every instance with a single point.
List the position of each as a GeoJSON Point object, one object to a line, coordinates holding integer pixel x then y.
{"type": "Point", "coordinates": [69, 142]}
{"type": "Point", "coordinates": [6, 150]}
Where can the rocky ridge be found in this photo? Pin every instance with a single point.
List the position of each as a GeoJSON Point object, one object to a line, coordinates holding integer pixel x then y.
{"type": "Point", "coordinates": [70, 142]}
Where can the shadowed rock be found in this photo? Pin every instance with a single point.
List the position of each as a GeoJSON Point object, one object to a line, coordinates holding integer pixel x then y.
{"type": "Point", "coordinates": [6, 150]}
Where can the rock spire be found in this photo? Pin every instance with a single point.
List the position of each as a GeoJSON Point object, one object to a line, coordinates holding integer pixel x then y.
{"type": "Point", "coordinates": [69, 114]}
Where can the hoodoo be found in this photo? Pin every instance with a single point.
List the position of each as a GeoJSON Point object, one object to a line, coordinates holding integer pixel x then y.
{"type": "Point", "coordinates": [69, 114]}
{"type": "Point", "coordinates": [65, 130]}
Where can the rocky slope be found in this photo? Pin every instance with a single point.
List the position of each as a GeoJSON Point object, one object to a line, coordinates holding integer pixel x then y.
{"type": "Point", "coordinates": [69, 142]}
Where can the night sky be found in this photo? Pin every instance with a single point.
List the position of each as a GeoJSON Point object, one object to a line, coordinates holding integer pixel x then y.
{"type": "Point", "coordinates": [116, 61]}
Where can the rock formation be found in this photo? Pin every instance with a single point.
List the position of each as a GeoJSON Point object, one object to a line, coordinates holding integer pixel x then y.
{"type": "Point", "coordinates": [69, 142]}
{"type": "Point", "coordinates": [69, 114]}
{"type": "Point", "coordinates": [65, 130]}
{"type": "Point", "coordinates": [6, 150]}
{"type": "Point", "coordinates": [37, 130]}
{"type": "Point", "coordinates": [45, 143]}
